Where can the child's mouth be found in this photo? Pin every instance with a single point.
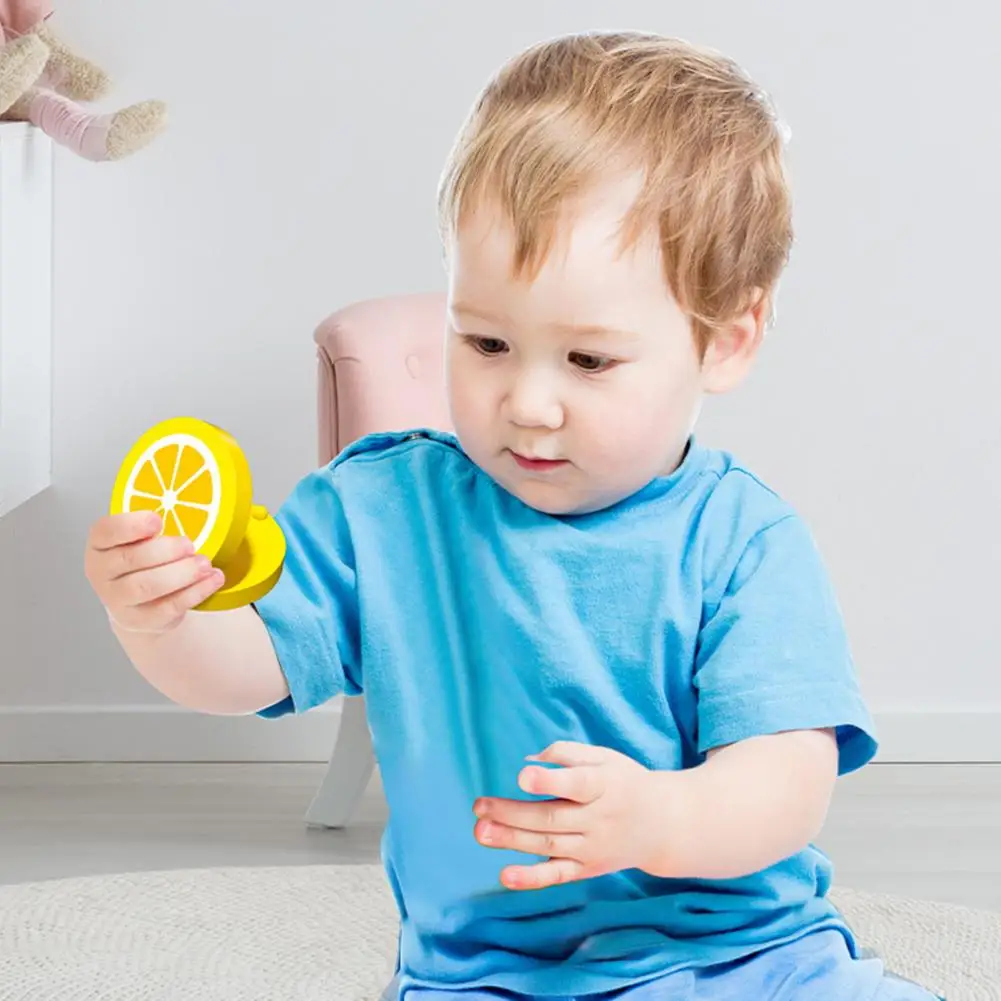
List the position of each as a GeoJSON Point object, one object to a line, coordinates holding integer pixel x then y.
{"type": "Point", "coordinates": [538, 465]}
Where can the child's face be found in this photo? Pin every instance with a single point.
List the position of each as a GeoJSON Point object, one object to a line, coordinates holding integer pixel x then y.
{"type": "Point", "coordinates": [570, 419]}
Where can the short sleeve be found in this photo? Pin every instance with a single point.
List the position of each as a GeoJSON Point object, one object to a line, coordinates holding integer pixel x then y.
{"type": "Point", "coordinates": [773, 653]}
{"type": "Point", "coordinates": [311, 613]}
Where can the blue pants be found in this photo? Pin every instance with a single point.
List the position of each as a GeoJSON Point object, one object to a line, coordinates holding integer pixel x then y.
{"type": "Point", "coordinates": [817, 967]}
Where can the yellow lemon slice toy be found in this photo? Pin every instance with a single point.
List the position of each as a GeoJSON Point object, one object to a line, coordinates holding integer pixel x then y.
{"type": "Point", "coordinates": [195, 476]}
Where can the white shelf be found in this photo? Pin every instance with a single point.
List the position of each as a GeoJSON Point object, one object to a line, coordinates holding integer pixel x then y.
{"type": "Point", "coordinates": [25, 314]}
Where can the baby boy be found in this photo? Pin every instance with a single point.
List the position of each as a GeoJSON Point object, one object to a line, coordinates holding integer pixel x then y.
{"type": "Point", "coordinates": [607, 679]}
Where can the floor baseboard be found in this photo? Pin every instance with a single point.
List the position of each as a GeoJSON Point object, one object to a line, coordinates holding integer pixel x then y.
{"type": "Point", "coordinates": [171, 734]}
{"type": "Point", "coordinates": [162, 733]}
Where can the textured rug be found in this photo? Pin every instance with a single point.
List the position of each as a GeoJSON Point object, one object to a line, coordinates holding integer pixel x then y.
{"type": "Point", "coordinates": [327, 933]}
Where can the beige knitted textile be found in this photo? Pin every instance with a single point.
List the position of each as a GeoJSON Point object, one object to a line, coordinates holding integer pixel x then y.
{"type": "Point", "coordinates": [328, 933]}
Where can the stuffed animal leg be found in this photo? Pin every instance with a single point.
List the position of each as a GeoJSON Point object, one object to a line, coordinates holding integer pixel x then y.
{"type": "Point", "coordinates": [70, 74]}
{"type": "Point", "coordinates": [50, 102]}
{"type": "Point", "coordinates": [21, 64]}
{"type": "Point", "coordinates": [96, 137]}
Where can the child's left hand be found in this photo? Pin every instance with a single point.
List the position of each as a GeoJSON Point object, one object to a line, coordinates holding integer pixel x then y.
{"type": "Point", "coordinates": [601, 819]}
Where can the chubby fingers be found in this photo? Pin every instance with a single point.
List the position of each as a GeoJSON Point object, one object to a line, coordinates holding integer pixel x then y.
{"type": "Point", "coordinates": [549, 828]}
{"type": "Point", "coordinates": [551, 816]}
{"type": "Point", "coordinates": [576, 783]}
{"type": "Point", "coordinates": [543, 843]}
{"type": "Point", "coordinates": [120, 529]}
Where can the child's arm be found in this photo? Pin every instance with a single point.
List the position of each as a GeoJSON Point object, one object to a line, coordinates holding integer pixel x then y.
{"type": "Point", "coordinates": [295, 648]}
{"type": "Point", "coordinates": [777, 716]}
{"type": "Point", "coordinates": [213, 662]}
{"type": "Point", "coordinates": [750, 805]}
{"type": "Point", "coordinates": [779, 711]}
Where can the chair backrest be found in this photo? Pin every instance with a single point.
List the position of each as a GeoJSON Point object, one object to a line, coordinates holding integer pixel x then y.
{"type": "Point", "coordinates": [380, 368]}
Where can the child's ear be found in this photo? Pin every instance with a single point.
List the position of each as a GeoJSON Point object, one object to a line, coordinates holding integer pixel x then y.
{"type": "Point", "coordinates": [733, 348]}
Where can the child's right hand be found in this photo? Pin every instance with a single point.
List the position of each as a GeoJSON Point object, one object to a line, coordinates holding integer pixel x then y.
{"type": "Point", "coordinates": [147, 582]}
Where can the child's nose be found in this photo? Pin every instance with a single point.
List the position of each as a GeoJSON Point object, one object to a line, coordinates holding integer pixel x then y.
{"type": "Point", "coordinates": [534, 401]}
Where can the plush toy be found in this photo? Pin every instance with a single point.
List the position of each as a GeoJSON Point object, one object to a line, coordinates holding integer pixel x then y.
{"type": "Point", "coordinates": [47, 96]}
{"type": "Point", "coordinates": [21, 63]}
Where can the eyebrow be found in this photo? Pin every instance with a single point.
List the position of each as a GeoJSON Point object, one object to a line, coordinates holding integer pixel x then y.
{"type": "Point", "coordinates": [592, 330]}
{"type": "Point", "coordinates": [480, 314]}
{"type": "Point", "coordinates": [581, 329]}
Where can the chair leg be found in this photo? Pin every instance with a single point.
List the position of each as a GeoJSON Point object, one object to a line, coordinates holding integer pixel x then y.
{"type": "Point", "coordinates": [351, 765]}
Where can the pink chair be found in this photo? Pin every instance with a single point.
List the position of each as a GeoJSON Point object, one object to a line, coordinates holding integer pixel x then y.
{"type": "Point", "coordinates": [380, 368]}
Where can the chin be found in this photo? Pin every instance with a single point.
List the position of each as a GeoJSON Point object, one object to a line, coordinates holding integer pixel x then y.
{"type": "Point", "coordinates": [537, 495]}
{"type": "Point", "coordinates": [556, 502]}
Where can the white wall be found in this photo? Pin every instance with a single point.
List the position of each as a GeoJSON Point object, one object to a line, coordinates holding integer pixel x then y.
{"type": "Point", "coordinates": [299, 174]}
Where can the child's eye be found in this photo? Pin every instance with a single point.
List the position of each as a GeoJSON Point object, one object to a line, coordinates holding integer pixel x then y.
{"type": "Point", "coordinates": [590, 363]}
{"type": "Point", "coordinates": [487, 345]}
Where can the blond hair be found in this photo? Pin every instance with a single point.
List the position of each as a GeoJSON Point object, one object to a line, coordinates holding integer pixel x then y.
{"type": "Point", "coordinates": [708, 144]}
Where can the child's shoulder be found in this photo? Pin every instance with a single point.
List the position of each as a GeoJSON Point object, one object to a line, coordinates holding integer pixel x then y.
{"type": "Point", "coordinates": [745, 520]}
{"type": "Point", "coordinates": [397, 456]}
{"type": "Point", "coordinates": [389, 445]}
{"type": "Point", "coordinates": [735, 492]}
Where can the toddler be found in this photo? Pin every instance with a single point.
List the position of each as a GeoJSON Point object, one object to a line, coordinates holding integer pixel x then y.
{"type": "Point", "coordinates": [607, 679]}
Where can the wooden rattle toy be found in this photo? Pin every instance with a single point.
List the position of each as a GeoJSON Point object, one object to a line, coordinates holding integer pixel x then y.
{"type": "Point", "coordinates": [194, 475]}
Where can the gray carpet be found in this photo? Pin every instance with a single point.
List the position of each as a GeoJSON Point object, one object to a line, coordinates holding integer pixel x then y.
{"type": "Point", "coordinates": [327, 933]}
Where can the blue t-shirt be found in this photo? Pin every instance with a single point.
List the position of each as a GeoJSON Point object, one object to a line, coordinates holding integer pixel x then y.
{"type": "Point", "coordinates": [694, 613]}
